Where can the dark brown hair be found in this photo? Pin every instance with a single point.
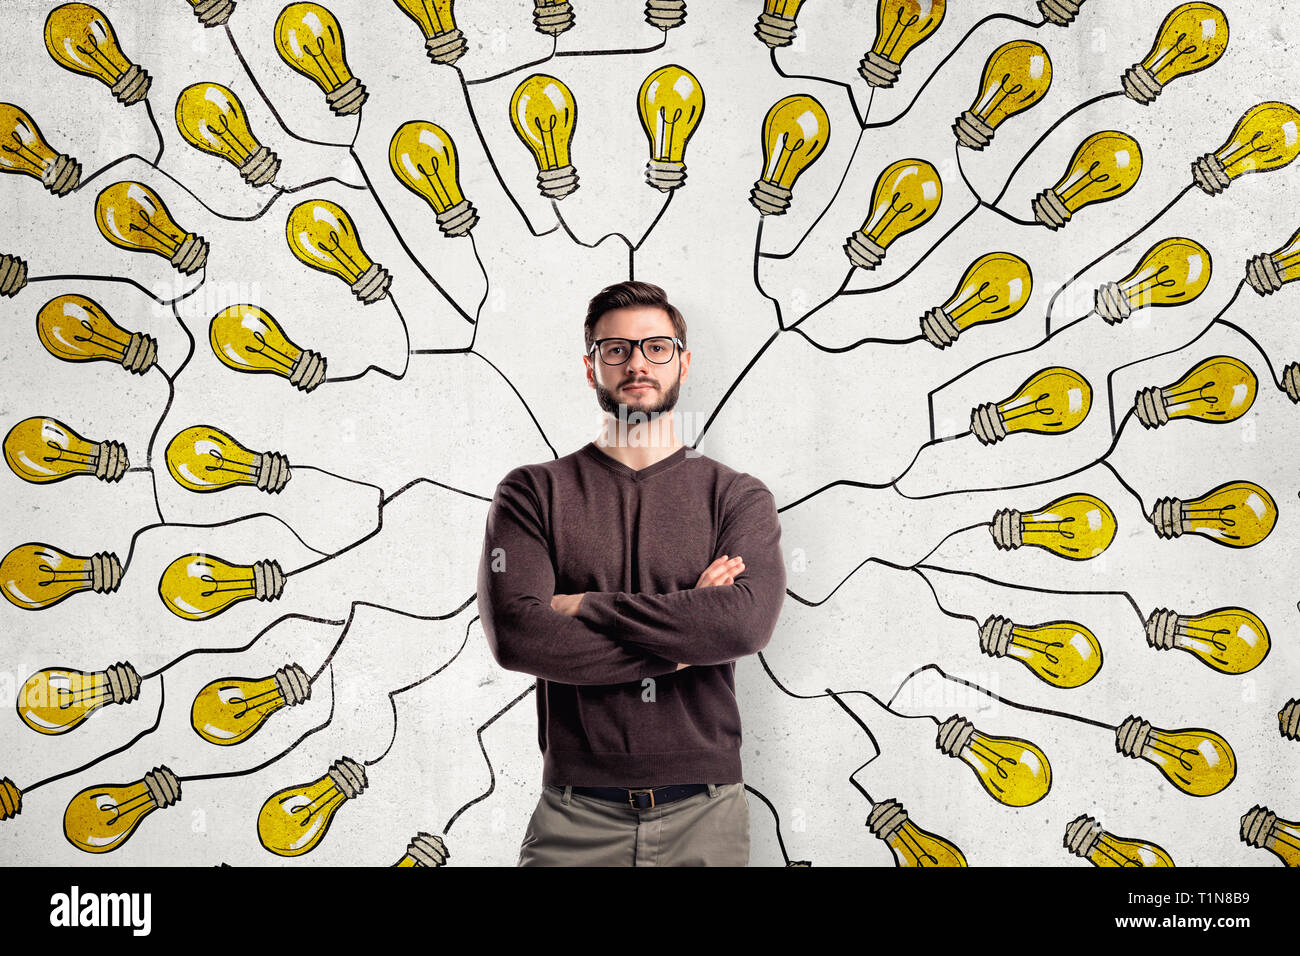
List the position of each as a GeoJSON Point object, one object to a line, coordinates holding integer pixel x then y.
{"type": "Point", "coordinates": [622, 295]}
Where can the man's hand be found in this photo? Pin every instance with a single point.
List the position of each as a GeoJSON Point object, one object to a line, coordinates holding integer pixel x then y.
{"type": "Point", "coordinates": [722, 571]}
{"type": "Point", "coordinates": [567, 604]}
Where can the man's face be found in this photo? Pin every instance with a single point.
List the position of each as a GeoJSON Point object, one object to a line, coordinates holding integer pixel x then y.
{"type": "Point", "coordinates": [639, 387]}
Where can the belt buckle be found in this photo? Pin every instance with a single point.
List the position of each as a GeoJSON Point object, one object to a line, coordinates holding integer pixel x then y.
{"type": "Point", "coordinates": [631, 794]}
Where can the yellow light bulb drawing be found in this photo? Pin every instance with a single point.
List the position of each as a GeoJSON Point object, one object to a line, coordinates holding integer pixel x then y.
{"type": "Point", "coordinates": [1077, 527]}
{"type": "Point", "coordinates": [436, 19]}
{"type": "Point", "coordinates": [294, 820]}
{"type": "Point", "coordinates": [1267, 137]}
{"type": "Point", "coordinates": [900, 26]}
{"type": "Point", "coordinates": [1084, 837]}
{"type": "Point", "coordinates": [906, 196]}
{"type": "Point", "coordinates": [102, 818]}
{"type": "Point", "coordinates": [1012, 771]}
{"type": "Point", "coordinates": [248, 339]}
{"type": "Point", "coordinates": [310, 41]}
{"type": "Point", "coordinates": [57, 699]}
{"type": "Point", "coordinates": [211, 118]}
{"type": "Point", "coordinates": [1172, 272]}
{"type": "Point", "coordinates": [425, 849]}
{"type": "Point", "coordinates": [544, 116]}
{"type": "Point", "coordinates": [212, 13]}
{"type": "Point", "coordinates": [423, 158]}
{"type": "Point", "coordinates": [776, 24]}
{"type": "Point", "coordinates": [1217, 390]}
{"type": "Point", "coordinates": [1192, 38]}
{"type": "Point", "coordinates": [1104, 167]}
{"type": "Point", "coordinates": [199, 586]}
{"type": "Point", "coordinates": [1289, 719]}
{"type": "Point", "coordinates": [1197, 762]}
{"type": "Point", "coordinates": [795, 131]}
{"type": "Point", "coordinates": [321, 235]}
{"type": "Point", "coordinates": [1061, 653]}
{"type": "Point", "coordinates": [230, 710]}
{"type": "Point", "coordinates": [81, 39]}
{"type": "Point", "coordinates": [13, 275]}
{"type": "Point", "coordinates": [552, 17]}
{"type": "Point", "coordinates": [1264, 829]}
{"type": "Point", "coordinates": [671, 105]}
{"type": "Point", "coordinates": [23, 150]}
{"type": "Point", "coordinates": [205, 459]}
{"type": "Point", "coordinates": [36, 576]}
{"type": "Point", "coordinates": [1268, 272]}
{"type": "Point", "coordinates": [1231, 640]}
{"type": "Point", "coordinates": [77, 329]}
{"type": "Point", "coordinates": [1238, 514]}
{"type": "Point", "coordinates": [132, 216]}
{"type": "Point", "coordinates": [42, 450]}
{"type": "Point", "coordinates": [910, 845]}
{"type": "Point", "coordinates": [995, 287]}
{"type": "Point", "coordinates": [11, 799]}
{"type": "Point", "coordinates": [1051, 401]}
{"type": "Point", "coordinates": [1016, 76]}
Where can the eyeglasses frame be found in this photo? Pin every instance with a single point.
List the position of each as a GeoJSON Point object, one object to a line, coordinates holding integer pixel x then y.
{"type": "Point", "coordinates": [678, 348]}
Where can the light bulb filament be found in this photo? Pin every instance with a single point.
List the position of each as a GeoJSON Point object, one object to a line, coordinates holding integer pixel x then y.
{"type": "Point", "coordinates": [149, 229]}
{"type": "Point", "coordinates": [230, 137]}
{"type": "Point", "coordinates": [435, 183]}
{"type": "Point", "coordinates": [235, 584]}
{"type": "Point", "coordinates": [67, 454]}
{"type": "Point", "coordinates": [1031, 408]}
{"type": "Point", "coordinates": [1115, 855]}
{"type": "Point", "coordinates": [1137, 292]}
{"type": "Point", "coordinates": [1174, 751]}
{"type": "Point", "coordinates": [1172, 54]}
{"type": "Point", "coordinates": [322, 62]}
{"type": "Point", "coordinates": [1055, 527]}
{"type": "Point", "coordinates": [895, 212]}
{"type": "Point", "coordinates": [1000, 94]}
{"type": "Point", "coordinates": [25, 152]}
{"type": "Point", "coordinates": [100, 59]}
{"type": "Point", "coordinates": [974, 300]}
{"type": "Point", "coordinates": [1249, 146]}
{"type": "Point", "coordinates": [1286, 262]}
{"type": "Point", "coordinates": [1087, 180]}
{"type": "Point", "coordinates": [271, 352]}
{"type": "Point", "coordinates": [268, 697]}
{"type": "Point", "coordinates": [67, 576]}
{"type": "Point", "coordinates": [85, 695]}
{"type": "Point", "coordinates": [1217, 645]}
{"type": "Point", "coordinates": [225, 464]}
{"type": "Point", "coordinates": [330, 797]}
{"type": "Point", "coordinates": [897, 32]}
{"type": "Point", "coordinates": [433, 16]}
{"type": "Point", "coordinates": [1210, 399]}
{"type": "Point", "coordinates": [119, 810]}
{"type": "Point", "coordinates": [1285, 838]}
{"type": "Point", "coordinates": [96, 337]}
{"type": "Point", "coordinates": [547, 135]}
{"type": "Point", "coordinates": [341, 257]}
{"type": "Point", "coordinates": [922, 855]}
{"type": "Point", "coordinates": [1021, 640]}
{"type": "Point", "coordinates": [1217, 514]}
{"type": "Point", "coordinates": [991, 757]}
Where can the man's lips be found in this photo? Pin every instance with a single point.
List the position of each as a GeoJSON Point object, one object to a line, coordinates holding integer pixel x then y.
{"type": "Point", "coordinates": [636, 386]}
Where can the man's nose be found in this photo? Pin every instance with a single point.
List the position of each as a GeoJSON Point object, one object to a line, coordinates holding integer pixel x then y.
{"type": "Point", "coordinates": [637, 361]}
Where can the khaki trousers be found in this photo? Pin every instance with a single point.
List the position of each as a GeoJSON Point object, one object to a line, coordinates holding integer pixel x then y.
{"type": "Point", "coordinates": [706, 829]}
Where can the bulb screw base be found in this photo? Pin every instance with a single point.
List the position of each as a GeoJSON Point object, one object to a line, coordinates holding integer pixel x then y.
{"type": "Point", "coordinates": [105, 572]}
{"type": "Point", "coordinates": [665, 176]}
{"type": "Point", "coordinates": [458, 220]}
{"type": "Point", "coordinates": [552, 19]}
{"type": "Point", "coordinates": [1131, 737]}
{"type": "Point", "coordinates": [13, 275]}
{"type": "Point", "coordinates": [863, 251]}
{"type": "Point", "coordinates": [1081, 835]}
{"type": "Point", "coordinates": [213, 13]}
{"type": "Point", "coordinates": [164, 787]}
{"type": "Point", "coordinates": [769, 198]}
{"type": "Point", "coordinates": [141, 352]}
{"type": "Point", "coordinates": [1289, 719]}
{"type": "Point", "coordinates": [886, 819]}
{"type": "Point", "coordinates": [938, 328]}
{"type": "Point", "coordinates": [260, 168]}
{"type": "Point", "coordinates": [1050, 209]}
{"type": "Point", "coordinates": [62, 175]}
{"type": "Point", "coordinates": [294, 685]}
{"type": "Point", "coordinates": [1111, 303]}
{"type": "Point", "coordinates": [987, 424]}
{"type": "Point", "coordinates": [1141, 84]}
{"type": "Point", "coordinates": [995, 636]}
{"type": "Point", "coordinates": [349, 776]}
{"type": "Point", "coordinates": [665, 14]}
{"type": "Point", "coordinates": [774, 29]}
{"type": "Point", "coordinates": [191, 255]}
{"type": "Point", "coordinates": [1005, 529]}
{"type": "Point", "coordinates": [954, 734]}
{"type": "Point", "coordinates": [123, 682]}
{"type": "Point", "coordinates": [557, 183]}
{"type": "Point", "coordinates": [11, 799]}
{"type": "Point", "coordinates": [348, 98]}
{"type": "Point", "coordinates": [132, 86]}
{"type": "Point", "coordinates": [1257, 827]}
{"type": "Point", "coordinates": [446, 47]}
{"type": "Point", "coordinates": [1162, 629]}
{"type": "Point", "coordinates": [1060, 12]}
{"type": "Point", "coordinates": [880, 72]}
{"type": "Point", "coordinates": [1151, 406]}
{"type": "Point", "coordinates": [1167, 516]}
{"type": "Point", "coordinates": [428, 849]}
{"type": "Point", "coordinates": [1291, 382]}
{"type": "Point", "coordinates": [268, 580]}
{"type": "Point", "coordinates": [307, 371]}
{"type": "Point", "coordinates": [273, 472]}
{"type": "Point", "coordinates": [971, 131]}
{"type": "Point", "coordinates": [110, 461]}
{"type": "Point", "coordinates": [1263, 274]}
{"type": "Point", "coordinates": [1209, 173]}
{"type": "Point", "coordinates": [372, 285]}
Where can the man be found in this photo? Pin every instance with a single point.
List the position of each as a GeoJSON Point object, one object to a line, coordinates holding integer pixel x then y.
{"type": "Point", "coordinates": [628, 577]}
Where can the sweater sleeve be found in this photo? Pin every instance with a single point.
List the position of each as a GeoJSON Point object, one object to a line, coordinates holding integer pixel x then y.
{"type": "Point", "coordinates": [516, 581]}
{"type": "Point", "coordinates": [711, 625]}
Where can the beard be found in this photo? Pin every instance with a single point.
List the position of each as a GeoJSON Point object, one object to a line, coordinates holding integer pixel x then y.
{"type": "Point", "coordinates": [638, 413]}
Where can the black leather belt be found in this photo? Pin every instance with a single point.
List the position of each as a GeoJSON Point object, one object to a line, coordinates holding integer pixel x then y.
{"type": "Point", "coordinates": [643, 798]}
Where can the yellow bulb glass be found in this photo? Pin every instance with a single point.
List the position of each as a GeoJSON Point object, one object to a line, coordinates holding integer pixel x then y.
{"type": "Point", "coordinates": [1076, 527]}
{"type": "Point", "coordinates": [248, 339]}
{"type": "Point", "coordinates": [432, 16]}
{"type": "Point", "coordinates": [1016, 76]}
{"type": "Point", "coordinates": [1013, 772]}
{"type": "Point", "coordinates": [670, 104]}
{"type": "Point", "coordinates": [56, 700]}
{"type": "Point", "coordinates": [906, 196]}
{"type": "Point", "coordinates": [544, 114]}
{"type": "Point", "coordinates": [902, 24]}
{"type": "Point", "coordinates": [206, 459]}
{"type": "Point", "coordinates": [81, 39]}
{"type": "Point", "coordinates": [102, 818]}
{"type": "Point", "coordinates": [77, 329]}
{"type": "Point", "coordinates": [42, 450]}
{"type": "Point", "coordinates": [199, 586]}
{"type": "Point", "coordinates": [423, 158]}
{"type": "Point", "coordinates": [1232, 640]}
{"type": "Point", "coordinates": [1197, 762]}
{"type": "Point", "coordinates": [132, 216]}
{"type": "Point", "coordinates": [1061, 653]}
{"type": "Point", "coordinates": [309, 40]}
{"type": "Point", "coordinates": [1288, 258]}
{"type": "Point", "coordinates": [1104, 167]}
{"type": "Point", "coordinates": [1264, 829]}
{"type": "Point", "coordinates": [795, 131]}
{"type": "Point", "coordinates": [22, 147]}
{"type": "Point", "coordinates": [1239, 514]}
{"type": "Point", "coordinates": [1172, 272]}
{"type": "Point", "coordinates": [36, 576]}
{"type": "Point", "coordinates": [321, 235]}
{"type": "Point", "coordinates": [1192, 38]}
{"type": "Point", "coordinates": [294, 820]}
{"type": "Point", "coordinates": [1220, 389]}
{"type": "Point", "coordinates": [1051, 401]}
{"type": "Point", "coordinates": [211, 118]}
{"type": "Point", "coordinates": [1114, 851]}
{"type": "Point", "coordinates": [1266, 137]}
{"type": "Point", "coordinates": [230, 710]}
{"type": "Point", "coordinates": [914, 847]}
{"type": "Point", "coordinates": [995, 287]}
{"type": "Point", "coordinates": [785, 8]}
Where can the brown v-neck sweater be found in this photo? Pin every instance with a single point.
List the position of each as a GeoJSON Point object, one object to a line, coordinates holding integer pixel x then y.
{"type": "Point", "coordinates": [612, 709]}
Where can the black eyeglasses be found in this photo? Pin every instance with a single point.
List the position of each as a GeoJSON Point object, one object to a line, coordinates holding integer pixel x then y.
{"type": "Point", "coordinates": [658, 349]}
